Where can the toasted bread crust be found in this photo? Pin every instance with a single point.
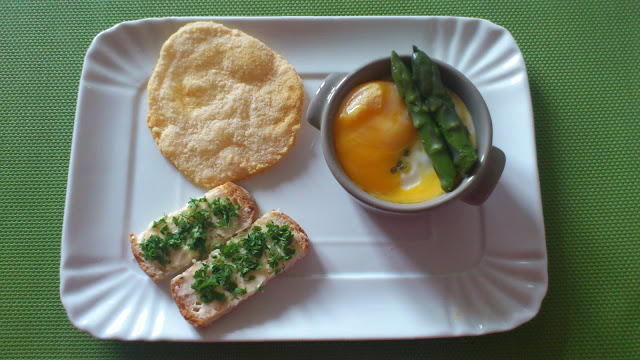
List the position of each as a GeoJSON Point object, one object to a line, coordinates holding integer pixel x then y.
{"type": "Point", "coordinates": [247, 213]}
{"type": "Point", "coordinates": [300, 238]}
{"type": "Point", "coordinates": [249, 209]}
{"type": "Point", "coordinates": [186, 302]}
{"type": "Point", "coordinates": [150, 268]}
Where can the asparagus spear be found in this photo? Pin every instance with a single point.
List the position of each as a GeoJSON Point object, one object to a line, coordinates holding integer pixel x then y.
{"type": "Point", "coordinates": [425, 85]}
{"type": "Point", "coordinates": [427, 78]}
{"type": "Point", "coordinates": [439, 91]}
{"type": "Point", "coordinates": [428, 131]}
{"type": "Point", "coordinates": [457, 137]}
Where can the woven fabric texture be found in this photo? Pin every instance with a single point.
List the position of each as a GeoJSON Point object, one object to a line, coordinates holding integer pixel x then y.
{"type": "Point", "coordinates": [583, 65]}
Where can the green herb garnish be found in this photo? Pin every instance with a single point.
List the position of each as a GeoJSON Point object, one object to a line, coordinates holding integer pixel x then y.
{"type": "Point", "coordinates": [209, 278]}
{"type": "Point", "coordinates": [161, 225]}
{"type": "Point", "coordinates": [274, 257]}
{"type": "Point", "coordinates": [193, 203]}
{"type": "Point", "coordinates": [242, 257]}
{"type": "Point", "coordinates": [280, 235]}
{"type": "Point", "coordinates": [245, 263]}
{"type": "Point", "coordinates": [224, 210]}
{"type": "Point", "coordinates": [254, 243]}
{"type": "Point", "coordinates": [229, 250]}
{"type": "Point", "coordinates": [233, 288]}
{"type": "Point", "coordinates": [192, 228]}
{"type": "Point", "coordinates": [156, 248]}
{"type": "Point", "coordinates": [197, 240]}
{"type": "Point", "coordinates": [280, 249]}
{"type": "Point", "coordinates": [399, 167]}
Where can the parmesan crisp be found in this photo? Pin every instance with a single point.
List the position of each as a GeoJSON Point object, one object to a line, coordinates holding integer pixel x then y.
{"type": "Point", "coordinates": [222, 105]}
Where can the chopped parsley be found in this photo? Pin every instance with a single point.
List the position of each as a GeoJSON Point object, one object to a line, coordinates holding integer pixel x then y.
{"type": "Point", "coordinates": [229, 250]}
{"type": "Point", "coordinates": [241, 257]}
{"type": "Point", "coordinates": [280, 236]}
{"type": "Point", "coordinates": [399, 167]}
{"type": "Point", "coordinates": [254, 243]}
{"type": "Point", "coordinates": [209, 278]}
{"type": "Point", "coordinates": [197, 240]}
{"type": "Point", "coordinates": [245, 263]}
{"type": "Point", "coordinates": [162, 223]}
{"type": "Point", "coordinates": [224, 210]}
{"type": "Point", "coordinates": [192, 228]}
{"type": "Point", "coordinates": [193, 203]}
{"type": "Point", "coordinates": [274, 257]}
{"type": "Point", "coordinates": [233, 288]}
{"type": "Point", "coordinates": [280, 249]}
{"type": "Point", "coordinates": [156, 248]}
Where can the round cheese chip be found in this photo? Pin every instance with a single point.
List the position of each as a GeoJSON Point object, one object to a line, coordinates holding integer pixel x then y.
{"type": "Point", "coordinates": [222, 105]}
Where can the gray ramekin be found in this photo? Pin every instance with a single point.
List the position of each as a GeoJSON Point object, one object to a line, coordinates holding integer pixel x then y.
{"type": "Point", "coordinates": [474, 189]}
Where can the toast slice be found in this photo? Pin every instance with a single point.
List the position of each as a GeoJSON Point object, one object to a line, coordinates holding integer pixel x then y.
{"type": "Point", "coordinates": [213, 287]}
{"type": "Point", "coordinates": [171, 243]}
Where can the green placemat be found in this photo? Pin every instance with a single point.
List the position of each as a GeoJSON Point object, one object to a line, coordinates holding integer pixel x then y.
{"type": "Point", "coordinates": [583, 62]}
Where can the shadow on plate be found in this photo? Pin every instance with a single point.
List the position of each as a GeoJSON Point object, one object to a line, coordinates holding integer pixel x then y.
{"type": "Point", "coordinates": [293, 164]}
{"type": "Point", "coordinates": [268, 305]}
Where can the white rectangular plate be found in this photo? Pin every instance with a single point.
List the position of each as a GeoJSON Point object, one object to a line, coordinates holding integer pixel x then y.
{"type": "Point", "coordinates": [458, 270]}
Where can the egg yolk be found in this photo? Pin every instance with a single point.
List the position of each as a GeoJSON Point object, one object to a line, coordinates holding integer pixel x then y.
{"type": "Point", "coordinates": [373, 133]}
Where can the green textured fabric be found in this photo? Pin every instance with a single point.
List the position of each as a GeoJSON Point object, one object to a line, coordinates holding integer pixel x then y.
{"type": "Point", "coordinates": [583, 63]}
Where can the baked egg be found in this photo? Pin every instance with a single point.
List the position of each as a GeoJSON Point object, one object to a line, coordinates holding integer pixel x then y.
{"type": "Point", "coordinates": [379, 148]}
